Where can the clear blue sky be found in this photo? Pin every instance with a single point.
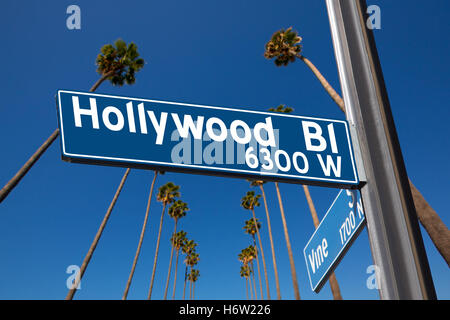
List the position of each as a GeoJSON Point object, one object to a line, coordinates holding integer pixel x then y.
{"type": "Point", "coordinates": [202, 52]}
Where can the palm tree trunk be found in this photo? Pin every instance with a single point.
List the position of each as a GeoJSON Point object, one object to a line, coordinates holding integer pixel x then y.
{"type": "Point", "coordinates": [190, 289]}
{"type": "Point", "coordinates": [175, 277]}
{"type": "Point", "coordinates": [97, 238]}
{"type": "Point", "coordinates": [288, 245]}
{"type": "Point", "coordinates": [335, 290]}
{"type": "Point", "coordinates": [254, 282]}
{"type": "Point", "coordinates": [141, 239]}
{"type": "Point", "coordinates": [156, 252]}
{"type": "Point", "coordinates": [433, 224]}
{"type": "Point", "coordinates": [259, 269]}
{"type": "Point", "coordinates": [328, 88]}
{"type": "Point", "coordinates": [170, 263]}
{"type": "Point", "coordinates": [39, 152]}
{"type": "Point", "coordinates": [185, 279]}
{"type": "Point", "coordinates": [271, 243]}
{"type": "Point", "coordinates": [246, 287]}
{"type": "Point", "coordinates": [436, 229]}
{"type": "Point", "coordinates": [193, 290]}
{"type": "Point", "coordinates": [262, 256]}
{"type": "Point", "coordinates": [99, 81]}
{"type": "Point", "coordinates": [251, 289]}
{"type": "Point", "coordinates": [27, 166]}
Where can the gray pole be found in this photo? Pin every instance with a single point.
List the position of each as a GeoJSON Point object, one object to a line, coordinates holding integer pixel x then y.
{"type": "Point", "coordinates": [394, 233]}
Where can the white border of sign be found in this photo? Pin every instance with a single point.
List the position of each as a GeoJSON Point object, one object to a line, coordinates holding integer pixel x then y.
{"type": "Point", "coordinates": [200, 166]}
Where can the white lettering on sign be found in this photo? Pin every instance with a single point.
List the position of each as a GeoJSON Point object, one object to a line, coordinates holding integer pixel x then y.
{"type": "Point", "coordinates": [78, 112]}
{"type": "Point", "coordinates": [349, 224]}
{"type": "Point", "coordinates": [114, 120]}
{"type": "Point", "coordinates": [212, 133]}
{"type": "Point", "coordinates": [130, 114]}
{"type": "Point", "coordinates": [160, 127]}
{"type": "Point", "coordinates": [326, 168]}
{"type": "Point", "coordinates": [314, 141]}
{"type": "Point", "coordinates": [269, 130]}
{"type": "Point", "coordinates": [142, 122]}
{"type": "Point", "coordinates": [262, 136]}
{"type": "Point", "coordinates": [316, 135]}
{"type": "Point", "coordinates": [318, 255]}
{"type": "Point", "coordinates": [107, 121]}
{"type": "Point", "coordinates": [247, 132]}
{"type": "Point", "coordinates": [188, 124]}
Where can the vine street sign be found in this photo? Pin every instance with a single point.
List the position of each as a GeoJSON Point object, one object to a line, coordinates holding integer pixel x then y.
{"type": "Point", "coordinates": [134, 132]}
{"type": "Point", "coordinates": [332, 238]}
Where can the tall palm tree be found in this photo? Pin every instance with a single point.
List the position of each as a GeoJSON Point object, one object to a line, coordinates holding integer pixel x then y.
{"type": "Point", "coordinates": [246, 256]}
{"type": "Point", "coordinates": [250, 229]}
{"type": "Point", "coordinates": [249, 202]}
{"type": "Point", "coordinates": [285, 47]}
{"type": "Point", "coordinates": [193, 277]}
{"type": "Point", "coordinates": [178, 241]}
{"type": "Point", "coordinates": [260, 183]}
{"type": "Point", "coordinates": [288, 245]}
{"type": "Point", "coordinates": [166, 195]}
{"type": "Point", "coordinates": [245, 273]}
{"type": "Point", "coordinates": [250, 252]}
{"type": "Point", "coordinates": [123, 63]}
{"type": "Point", "coordinates": [255, 254]}
{"type": "Point", "coordinates": [334, 286]}
{"type": "Point", "coordinates": [94, 243]}
{"type": "Point", "coordinates": [188, 249]}
{"type": "Point", "coordinates": [176, 211]}
{"type": "Point", "coordinates": [118, 65]}
{"type": "Point", "coordinates": [141, 238]}
{"type": "Point", "coordinates": [191, 261]}
{"type": "Point", "coordinates": [332, 279]}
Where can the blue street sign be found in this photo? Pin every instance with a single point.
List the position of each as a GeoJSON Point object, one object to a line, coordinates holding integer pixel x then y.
{"type": "Point", "coordinates": [134, 132]}
{"type": "Point", "coordinates": [334, 235]}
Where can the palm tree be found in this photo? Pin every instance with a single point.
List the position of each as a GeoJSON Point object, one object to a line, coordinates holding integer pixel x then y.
{"type": "Point", "coordinates": [332, 279]}
{"type": "Point", "coordinates": [256, 256]}
{"type": "Point", "coordinates": [285, 47]}
{"type": "Point", "coordinates": [249, 202]}
{"type": "Point", "coordinates": [166, 195]}
{"type": "Point", "coordinates": [94, 243]}
{"type": "Point", "coordinates": [334, 286]}
{"type": "Point", "coordinates": [124, 63]}
{"type": "Point", "coordinates": [193, 277]}
{"type": "Point", "coordinates": [141, 238]}
{"type": "Point", "coordinates": [245, 273]}
{"type": "Point", "coordinates": [281, 109]}
{"type": "Point", "coordinates": [260, 183]}
{"type": "Point", "coordinates": [250, 229]}
{"type": "Point", "coordinates": [250, 252]}
{"type": "Point", "coordinates": [178, 241]}
{"type": "Point", "coordinates": [246, 257]}
{"type": "Point", "coordinates": [288, 245]}
{"type": "Point", "coordinates": [188, 249]}
{"type": "Point", "coordinates": [118, 65]}
{"type": "Point", "coordinates": [176, 211]}
{"type": "Point", "coordinates": [191, 260]}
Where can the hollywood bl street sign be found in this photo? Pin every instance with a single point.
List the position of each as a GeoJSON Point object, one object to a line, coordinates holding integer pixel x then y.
{"type": "Point", "coordinates": [143, 133]}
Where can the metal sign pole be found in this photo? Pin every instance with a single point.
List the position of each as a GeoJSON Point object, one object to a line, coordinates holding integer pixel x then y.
{"type": "Point", "coordinates": [394, 233]}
